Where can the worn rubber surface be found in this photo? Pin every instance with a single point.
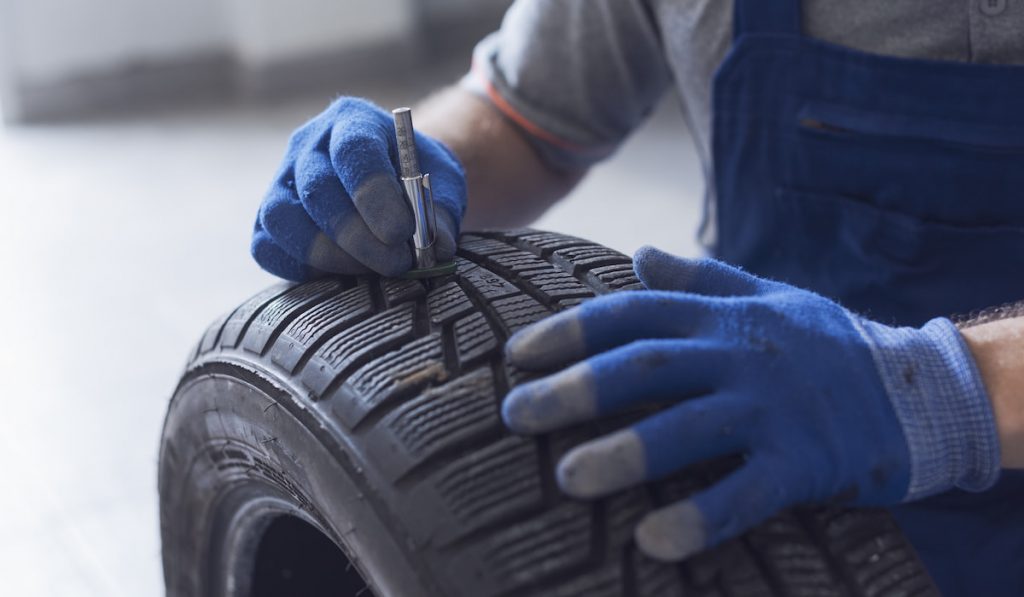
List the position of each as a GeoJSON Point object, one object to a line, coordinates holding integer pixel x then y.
{"type": "Point", "coordinates": [372, 406]}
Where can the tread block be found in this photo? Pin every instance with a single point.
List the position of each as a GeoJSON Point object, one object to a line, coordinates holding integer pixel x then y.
{"type": "Point", "coordinates": [377, 334]}
{"type": "Point", "coordinates": [790, 554]}
{"type": "Point", "coordinates": [569, 303]}
{"type": "Point", "coordinates": [602, 582]}
{"type": "Point", "coordinates": [536, 549]}
{"type": "Point", "coordinates": [623, 511]}
{"type": "Point", "coordinates": [898, 579]}
{"type": "Point", "coordinates": [236, 324]}
{"type": "Point", "coordinates": [400, 290]}
{"type": "Point", "coordinates": [500, 478]}
{"type": "Point", "coordinates": [544, 243]}
{"type": "Point", "coordinates": [400, 372]}
{"type": "Point", "coordinates": [515, 376]}
{"type": "Point", "coordinates": [487, 284]}
{"type": "Point", "coordinates": [512, 233]}
{"type": "Point", "coordinates": [731, 566]}
{"type": "Point", "coordinates": [880, 561]}
{"type": "Point", "coordinates": [521, 264]}
{"type": "Point", "coordinates": [446, 303]}
{"type": "Point", "coordinates": [329, 317]}
{"type": "Point", "coordinates": [284, 308]}
{"type": "Point", "coordinates": [474, 339]}
{"type": "Point", "coordinates": [518, 312]}
{"type": "Point", "coordinates": [558, 285]}
{"type": "Point", "coordinates": [482, 246]}
{"type": "Point", "coordinates": [442, 417]}
{"type": "Point", "coordinates": [586, 257]}
{"type": "Point", "coordinates": [209, 340]}
{"type": "Point", "coordinates": [485, 486]}
{"type": "Point", "coordinates": [869, 547]}
{"type": "Point", "coordinates": [654, 579]}
{"type": "Point", "coordinates": [614, 277]}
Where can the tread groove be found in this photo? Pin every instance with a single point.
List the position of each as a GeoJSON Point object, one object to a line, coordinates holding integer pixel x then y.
{"type": "Point", "coordinates": [245, 314]}
{"type": "Point", "coordinates": [524, 288]}
{"type": "Point", "coordinates": [347, 353]}
{"type": "Point", "coordinates": [448, 350]}
{"type": "Point", "coordinates": [767, 571]}
{"type": "Point", "coordinates": [809, 521]}
{"type": "Point", "coordinates": [302, 302]}
{"type": "Point", "coordinates": [332, 317]}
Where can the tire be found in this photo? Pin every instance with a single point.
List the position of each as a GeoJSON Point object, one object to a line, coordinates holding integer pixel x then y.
{"type": "Point", "coordinates": [343, 437]}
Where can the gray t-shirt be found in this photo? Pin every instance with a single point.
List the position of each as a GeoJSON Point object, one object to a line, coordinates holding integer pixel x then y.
{"type": "Point", "coordinates": [578, 76]}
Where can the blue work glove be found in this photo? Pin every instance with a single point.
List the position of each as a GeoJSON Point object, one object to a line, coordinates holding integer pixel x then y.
{"type": "Point", "coordinates": [825, 405]}
{"type": "Point", "coordinates": [336, 204]}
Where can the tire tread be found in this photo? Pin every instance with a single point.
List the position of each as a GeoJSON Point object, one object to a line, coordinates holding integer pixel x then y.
{"type": "Point", "coordinates": [416, 374]}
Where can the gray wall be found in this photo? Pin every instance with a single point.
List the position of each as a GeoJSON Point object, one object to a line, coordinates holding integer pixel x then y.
{"type": "Point", "coordinates": [63, 57]}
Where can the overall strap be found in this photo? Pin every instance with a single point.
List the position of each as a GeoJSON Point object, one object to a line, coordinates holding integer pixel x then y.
{"type": "Point", "coordinates": [767, 16]}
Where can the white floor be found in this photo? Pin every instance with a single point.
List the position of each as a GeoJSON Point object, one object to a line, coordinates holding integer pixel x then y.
{"type": "Point", "coordinates": [120, 240]}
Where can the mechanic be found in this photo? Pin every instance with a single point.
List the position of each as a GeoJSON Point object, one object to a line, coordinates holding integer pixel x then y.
{"type": "Point", "coordinates": [864, 159]}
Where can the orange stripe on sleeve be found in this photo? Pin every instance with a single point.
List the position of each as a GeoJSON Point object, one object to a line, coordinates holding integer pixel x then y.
{"type": "Point", "coordinates": [512, 114]}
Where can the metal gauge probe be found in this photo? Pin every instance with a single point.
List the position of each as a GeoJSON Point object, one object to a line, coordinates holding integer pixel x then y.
{"type": "Point", "coordinates": [421, 200]}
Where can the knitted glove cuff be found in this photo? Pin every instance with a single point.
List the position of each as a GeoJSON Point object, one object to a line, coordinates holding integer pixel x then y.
{"type": "Point", "coordinates": [941, 403]}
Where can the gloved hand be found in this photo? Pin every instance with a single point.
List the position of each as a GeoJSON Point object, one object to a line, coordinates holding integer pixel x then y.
{"type": "Point", "coordinates": [824, 405]}
{"type": "Point", "coordinates": [336, 204]}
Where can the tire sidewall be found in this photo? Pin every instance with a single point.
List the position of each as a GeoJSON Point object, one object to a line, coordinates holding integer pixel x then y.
{"type": "Point", "coordinates": [232, 444]}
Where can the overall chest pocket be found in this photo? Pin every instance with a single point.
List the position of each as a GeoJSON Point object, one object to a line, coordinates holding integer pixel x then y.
{"type": "Point", "coordinates": [901, 218]}
{"type": "Point", "coordinates": [888, 265]}
{"type": "Point", "coordinates": [925, 166]}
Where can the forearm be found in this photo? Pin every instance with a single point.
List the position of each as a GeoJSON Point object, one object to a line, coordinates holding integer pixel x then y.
{"type": "Point", "coordinates": [508, 183]}
{"type": "Point", "coordinates": [998, 350]}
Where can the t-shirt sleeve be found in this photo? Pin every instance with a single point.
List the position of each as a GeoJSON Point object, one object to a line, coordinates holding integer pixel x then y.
{"type": "Point", "coordinates": [576, 76]}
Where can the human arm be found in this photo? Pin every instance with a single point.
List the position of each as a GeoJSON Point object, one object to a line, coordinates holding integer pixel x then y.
{"type": "Point", "coordinates": [508, 182]}
{"type": "Point", "coordinates": [998, 348]}
{"type": "Point", "coordinates": [823, 404]}
{"type": "Point", "coordinates": [550, 94]}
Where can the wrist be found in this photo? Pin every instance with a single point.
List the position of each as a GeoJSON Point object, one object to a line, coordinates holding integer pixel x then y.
{"type": "Point", "coordinates": [998, 350]}
{"type": "Point", "coordinates": [941, 403]}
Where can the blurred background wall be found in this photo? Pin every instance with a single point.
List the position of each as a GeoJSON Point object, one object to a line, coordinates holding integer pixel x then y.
{"type": "Point", "coordinates": [63, 58]}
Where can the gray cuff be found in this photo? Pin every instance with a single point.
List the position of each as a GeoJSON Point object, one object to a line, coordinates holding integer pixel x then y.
{"type": "Point", "coordinates": [941, 403]}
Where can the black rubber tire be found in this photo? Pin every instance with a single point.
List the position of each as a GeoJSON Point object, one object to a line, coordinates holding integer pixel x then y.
{"type": "Point", "coordinates": [364, 414]}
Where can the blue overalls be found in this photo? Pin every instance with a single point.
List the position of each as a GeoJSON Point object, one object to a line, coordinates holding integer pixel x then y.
{"type": "Point", "coordinates": [896, 187]}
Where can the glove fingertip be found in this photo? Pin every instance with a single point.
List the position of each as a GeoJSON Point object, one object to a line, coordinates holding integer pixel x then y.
{"type": "Point", "coordinates": [649, 252]}
{"type": "Point", "coordinates": [673, 533]}
{"type": "Point", "coordinates": [659, 270]}
{"type": "Point", "coordinates": [324, 255]}
{"type": "Point", "coordinates": [516, 411]}
{"type": "Point", "coordinates": [603, 466]}
{"type": "Point", "coordinates": [447, 232]}
{"type": "Point", "coordinates": [381, 203]}
{"type": "Point", "coordinates": [561, 399]}
{"type": "Point", "coordinates": [548, 343]}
